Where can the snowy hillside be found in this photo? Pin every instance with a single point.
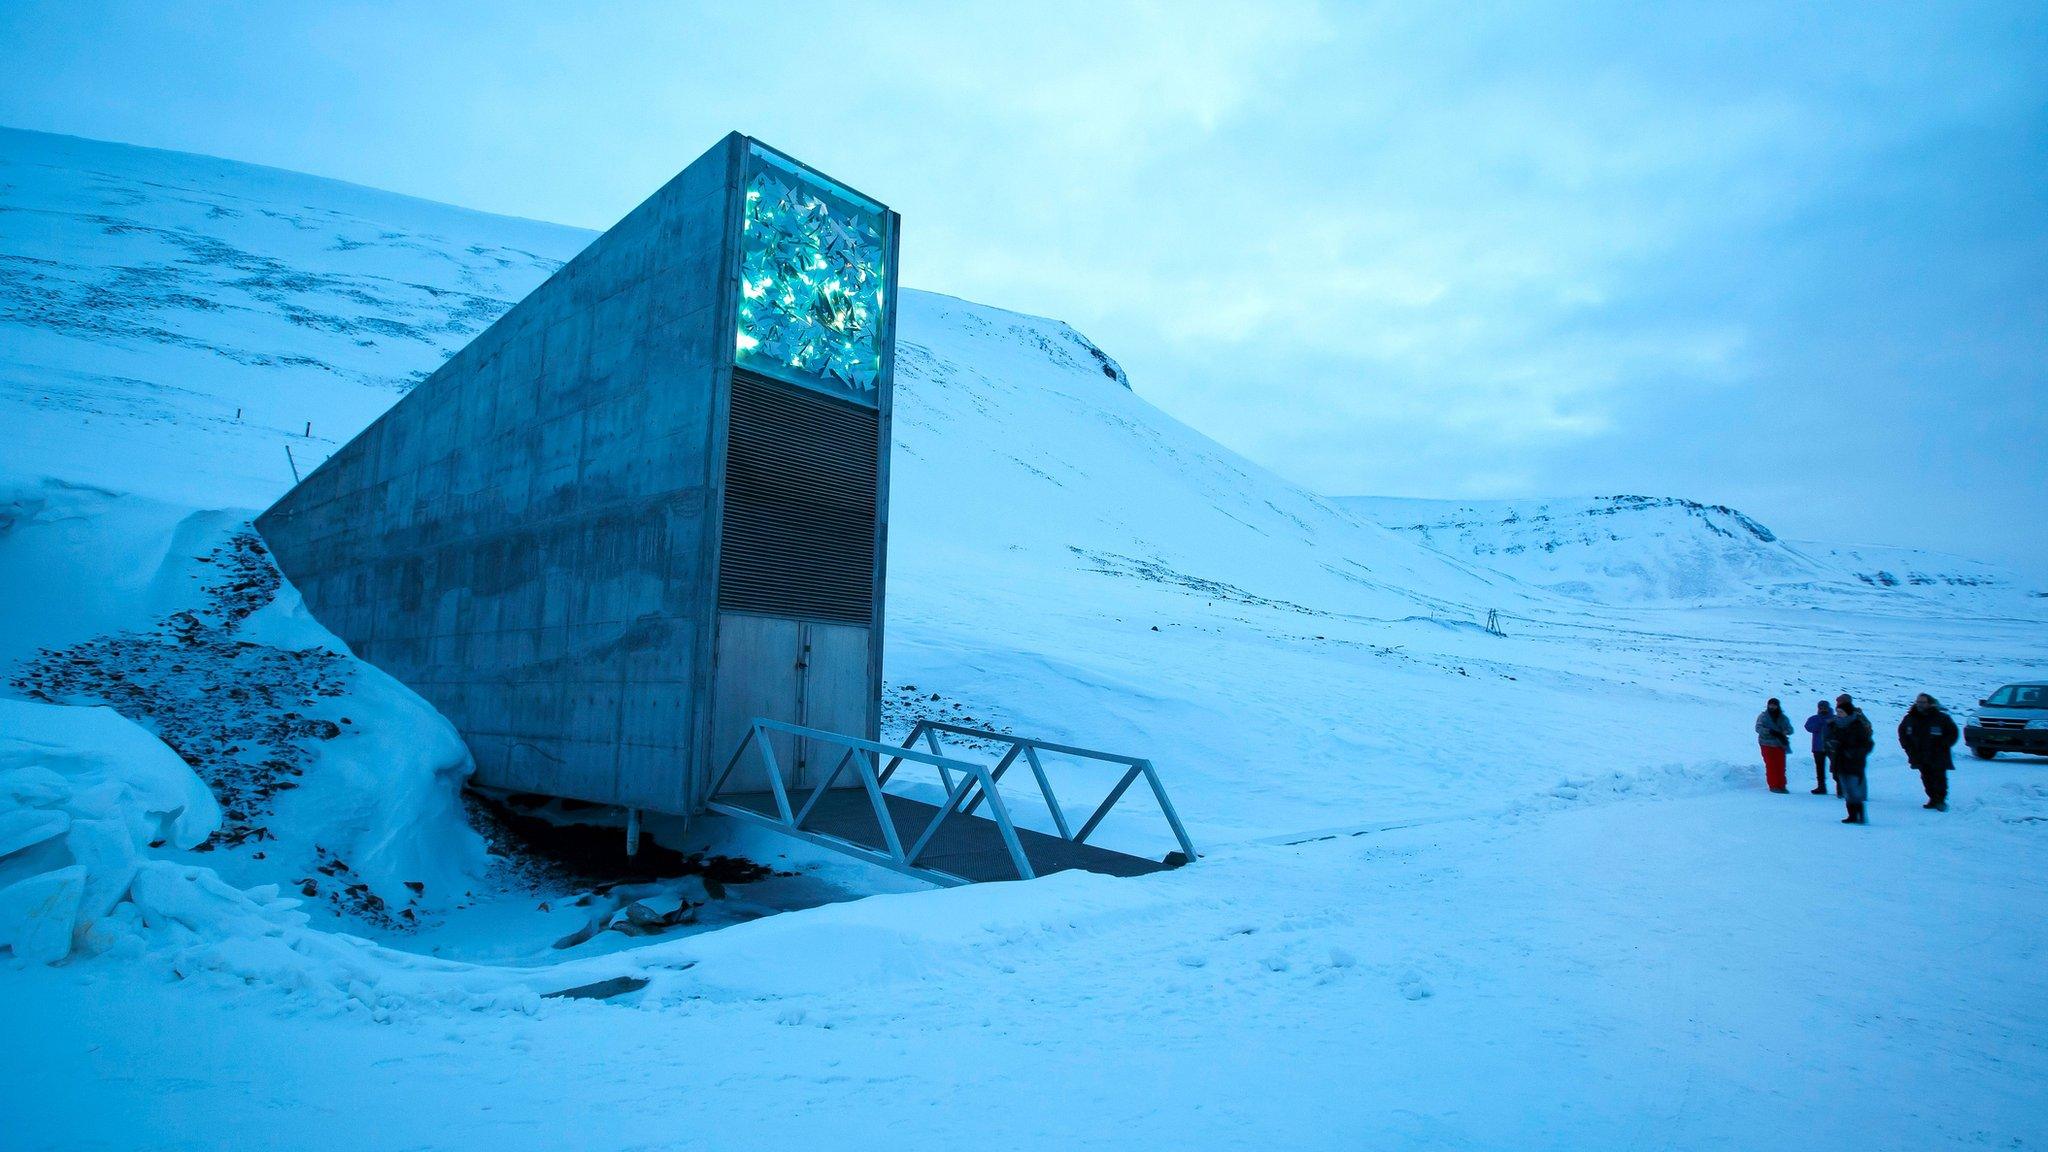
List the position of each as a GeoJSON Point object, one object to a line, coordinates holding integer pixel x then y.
{"type": "Point", "coordinates": [1460, 888]}
{"type": "Point", "coordinates": [1647, 549]}
{"type": "Point", "coordinates": [1923, 571]}
{"type": "Point", "coordinates": [188, 318]}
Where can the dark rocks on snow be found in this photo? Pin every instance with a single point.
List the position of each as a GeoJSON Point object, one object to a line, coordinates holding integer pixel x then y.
{"type": "Point", "coordinates": [347, 894]}
{"type": "Point", "coordinates": [230, 708]}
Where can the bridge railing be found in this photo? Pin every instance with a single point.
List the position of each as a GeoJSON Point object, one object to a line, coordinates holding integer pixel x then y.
{"type": "Point", "coordinates": [1027, 749]}
{"type": "Point", "coordinates": [967, 785]}
{"type": "Point", "coordinates": [864, 758]}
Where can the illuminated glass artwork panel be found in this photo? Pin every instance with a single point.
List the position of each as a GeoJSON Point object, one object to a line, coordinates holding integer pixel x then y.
{"type": "Point", "coordinates": [813, 280]}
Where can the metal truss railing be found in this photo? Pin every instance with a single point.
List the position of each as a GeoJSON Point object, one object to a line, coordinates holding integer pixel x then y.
{"type": "Point", "coordinates": [1028, 749]}
{"type": "Point", "coordinates": [864, 756]}
{"type": "Point", "coordinates": [967, 785]}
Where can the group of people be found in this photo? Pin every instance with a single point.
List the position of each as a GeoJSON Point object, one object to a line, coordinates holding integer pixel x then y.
{"type": "Point", "coordinates": [1842, 743]}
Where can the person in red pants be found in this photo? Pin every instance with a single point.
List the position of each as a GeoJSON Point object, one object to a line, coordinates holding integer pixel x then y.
{"type": "Point", "coordinates": [1774, 737]}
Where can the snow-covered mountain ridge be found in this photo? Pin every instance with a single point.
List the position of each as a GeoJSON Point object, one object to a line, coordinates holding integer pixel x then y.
{"type": "Point", "coordinates": [1661, 549]}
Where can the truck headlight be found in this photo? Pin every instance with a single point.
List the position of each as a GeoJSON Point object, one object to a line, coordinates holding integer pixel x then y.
{"type": "Point", "coordinates": [2037, 725]}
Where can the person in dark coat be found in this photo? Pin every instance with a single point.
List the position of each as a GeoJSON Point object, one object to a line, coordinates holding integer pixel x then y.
{"type": "Point", "coordinates": [1927, 733]}
{"type": "Point", "coordinates": [1817, 726]}
{"type": "Point", "coordinates": [1774, 740]}
{"type": "Point", "coordinates": [1849, 744]}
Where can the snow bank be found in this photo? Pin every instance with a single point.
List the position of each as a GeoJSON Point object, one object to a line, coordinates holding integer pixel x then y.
{"type": "Point", "coordinates": [77, 561]}
{"type": "Point", "coordinates": [384, 792]}
{"type": "Point", "coordinates": [93, 765]}
{"type": "Point", "coordinates": [83, 795]}
{"type": "Point", "coordinates": [323, 768]}
{"type": "Point", "coordinates": [90, 807]}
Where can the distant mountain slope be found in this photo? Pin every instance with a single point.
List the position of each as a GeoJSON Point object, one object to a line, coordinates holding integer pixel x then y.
{"type": "Point", "coordinates": [1651, 549]}
{"type": "Point", "coordinates": [193, 316]}
{"type": "Point", "coordinates": [1916, 569]}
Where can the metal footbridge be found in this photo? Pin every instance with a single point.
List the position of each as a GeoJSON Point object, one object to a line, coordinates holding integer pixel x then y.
{"type": "Point", "coordinates": [969, 836]}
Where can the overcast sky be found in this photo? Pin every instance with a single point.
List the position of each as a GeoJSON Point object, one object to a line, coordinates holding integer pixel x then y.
{"type": "Point", "coordinates": [1788, 257]}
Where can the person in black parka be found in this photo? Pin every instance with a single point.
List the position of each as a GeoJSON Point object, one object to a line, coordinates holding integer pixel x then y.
{"type": "Point", "coordinates": [1927, 734]}
{"type": "Point", "coordinates": [1849, 744]}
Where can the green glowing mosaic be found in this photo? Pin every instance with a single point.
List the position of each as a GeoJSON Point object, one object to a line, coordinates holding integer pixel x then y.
{"type": "Point", "coordinates": [813, 280]}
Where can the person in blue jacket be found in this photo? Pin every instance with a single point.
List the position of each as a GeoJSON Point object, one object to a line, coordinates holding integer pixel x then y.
{"type": "Point", "coordinates": [1817, 726]}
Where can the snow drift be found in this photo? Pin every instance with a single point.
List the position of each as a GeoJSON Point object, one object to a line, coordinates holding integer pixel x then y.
{"type": "Point", "coordinates": [176, 620]}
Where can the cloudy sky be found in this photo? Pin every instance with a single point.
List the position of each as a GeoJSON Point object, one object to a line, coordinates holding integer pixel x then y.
{"type": "Point", "coordinates": [1788, 257]}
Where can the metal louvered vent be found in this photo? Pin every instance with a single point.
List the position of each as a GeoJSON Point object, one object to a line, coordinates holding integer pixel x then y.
{"type": "Point", "coordinates": [799, 522]}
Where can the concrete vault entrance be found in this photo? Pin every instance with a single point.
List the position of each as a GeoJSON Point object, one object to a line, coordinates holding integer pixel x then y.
{"type": "Point", "coordinates": [641, 521]}
{"type": "Point", "coordinates": [645, 507]}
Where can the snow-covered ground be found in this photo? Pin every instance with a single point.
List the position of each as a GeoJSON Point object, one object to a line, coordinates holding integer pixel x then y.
{"type": "Point", "coordinates": [1460, 889]}
{"type": "Point", "coordinates": [1708, 972]}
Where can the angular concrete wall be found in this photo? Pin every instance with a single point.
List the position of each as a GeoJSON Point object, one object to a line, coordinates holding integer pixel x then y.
{"type": "Point", "coordinates": [528, 539]}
